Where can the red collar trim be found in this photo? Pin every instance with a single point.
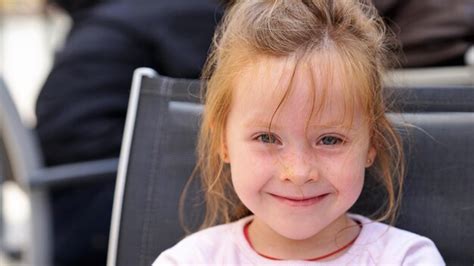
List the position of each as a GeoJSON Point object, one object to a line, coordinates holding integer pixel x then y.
{"type": "Point", "coordinates": [246, 234]}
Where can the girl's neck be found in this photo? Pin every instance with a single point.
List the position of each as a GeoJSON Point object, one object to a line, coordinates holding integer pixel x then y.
{"type": "Point", "coordinates": [269, 243]}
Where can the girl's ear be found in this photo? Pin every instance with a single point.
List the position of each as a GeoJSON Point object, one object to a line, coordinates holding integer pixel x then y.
{"type": "Point", "coordinates": [223, 151]}
{"type": "Point", "coordinates": [371, 154]}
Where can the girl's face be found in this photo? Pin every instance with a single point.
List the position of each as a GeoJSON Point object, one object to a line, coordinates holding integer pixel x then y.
{"type": "Point", "coordinates": [300, 179]}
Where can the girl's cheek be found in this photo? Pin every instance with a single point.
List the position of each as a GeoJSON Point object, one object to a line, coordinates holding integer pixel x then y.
{"type": "Point", "coordinates": [345, 172]}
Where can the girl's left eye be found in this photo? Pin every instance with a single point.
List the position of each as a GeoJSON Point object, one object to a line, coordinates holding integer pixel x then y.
{"type": "Point", "coordinates": [330, 140]}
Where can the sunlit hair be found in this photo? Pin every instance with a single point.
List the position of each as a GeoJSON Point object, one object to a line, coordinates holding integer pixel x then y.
{"type": "Point", "coordinates": [348, 31]}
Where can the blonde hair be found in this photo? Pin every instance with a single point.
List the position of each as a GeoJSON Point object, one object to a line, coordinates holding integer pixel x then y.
{"type": "Point", "coordinates": [282, 28]}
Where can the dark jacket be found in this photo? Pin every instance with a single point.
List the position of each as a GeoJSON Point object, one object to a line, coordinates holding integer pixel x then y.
{"type": "Point", "coordinates": [82, 105]}
{"type": "Point", "coordinates": [432, 32]}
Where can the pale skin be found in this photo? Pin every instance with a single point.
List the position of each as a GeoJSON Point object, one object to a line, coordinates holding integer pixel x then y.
{"type": "Point", "coordinates": [300, 179]}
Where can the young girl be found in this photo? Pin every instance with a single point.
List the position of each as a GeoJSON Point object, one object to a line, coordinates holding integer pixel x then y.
{"type": "Point", "coordinates": [294, 117]}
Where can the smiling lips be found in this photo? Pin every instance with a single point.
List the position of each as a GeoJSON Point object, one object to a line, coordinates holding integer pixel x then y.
{"type": "Point", "coordinates": [298, 201]}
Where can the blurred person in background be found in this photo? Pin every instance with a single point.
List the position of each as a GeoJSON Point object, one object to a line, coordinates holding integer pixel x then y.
{"type": "Point", "coordinates": [82, 105]}
{"type": "Point", "coordinates": [432, 32]}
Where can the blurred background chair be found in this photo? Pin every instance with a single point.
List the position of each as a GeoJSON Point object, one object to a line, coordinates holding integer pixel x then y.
{"type": "Point", "coordinates": [432, 76]}
{"type": "Point", "coordinates": [21, 162]}
{"type": "Point", "coordinates": [157, 158]}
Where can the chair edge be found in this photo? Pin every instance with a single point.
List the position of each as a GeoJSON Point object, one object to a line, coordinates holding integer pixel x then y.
{"type": "Point", "coordinates": [138, 76]}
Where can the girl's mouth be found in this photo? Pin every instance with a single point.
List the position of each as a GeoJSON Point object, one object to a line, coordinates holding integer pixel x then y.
{"type": "Point", "coordinates": [299, 201]}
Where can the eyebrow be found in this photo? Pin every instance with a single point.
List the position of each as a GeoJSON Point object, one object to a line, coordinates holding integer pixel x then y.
{"type": "Point", "coordinates": [261, 124]}
{"type": "Point", "coordinates": [274, 126]}
{"type": "Point", "coordinates": [332, 125]}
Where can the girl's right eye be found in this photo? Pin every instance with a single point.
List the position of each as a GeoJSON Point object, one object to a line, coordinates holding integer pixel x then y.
{"type": "Point", "coordinates": [268, 138]}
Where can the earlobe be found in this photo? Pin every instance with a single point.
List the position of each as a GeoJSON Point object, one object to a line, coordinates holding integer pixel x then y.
{"type": "Point", "coordinates": [223, 151]}
{"type": "Point", "coordinates": [224, 154]}
{"type": "Point", "coordinates": [370, 157]}
{"type": "Point", "coordinates": [225, 157]}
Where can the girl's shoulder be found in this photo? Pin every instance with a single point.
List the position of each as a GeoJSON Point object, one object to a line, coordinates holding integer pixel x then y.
{"type": "Point", "coordinates": [385, 243]}
{"type": "Point", "coordinates": [205, 245]}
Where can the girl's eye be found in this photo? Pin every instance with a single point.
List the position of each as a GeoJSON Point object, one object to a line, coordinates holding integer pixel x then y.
{"type": "Point", "coordinates": [268, 138]}
{"type": "Point", "coordinates": [330, 140]}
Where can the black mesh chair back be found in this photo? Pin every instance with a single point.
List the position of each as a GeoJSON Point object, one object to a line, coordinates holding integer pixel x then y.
{"type": "Point", "coordinates": [158, 157]}
{"type": "Point", "coordinates": [438, 201]}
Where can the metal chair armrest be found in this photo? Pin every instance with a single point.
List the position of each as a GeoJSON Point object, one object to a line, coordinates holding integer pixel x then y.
{"type": "Point", "coordinates": [68, 174]}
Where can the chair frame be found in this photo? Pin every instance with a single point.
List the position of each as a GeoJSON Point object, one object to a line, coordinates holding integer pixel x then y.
{"type": "Point", "coordinates": [138, 76]}
{"type": "Point", "coordinates": [23, 163]}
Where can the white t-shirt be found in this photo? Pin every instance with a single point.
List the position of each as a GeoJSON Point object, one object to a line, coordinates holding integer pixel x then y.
{"type": "Point", "coordinates": [377, 244]}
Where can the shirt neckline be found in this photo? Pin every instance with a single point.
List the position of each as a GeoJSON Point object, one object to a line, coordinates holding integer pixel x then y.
{"type": "Point", "coordinates": [254, 257]}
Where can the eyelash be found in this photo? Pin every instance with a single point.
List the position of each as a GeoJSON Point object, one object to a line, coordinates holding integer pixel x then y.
{"type": "Point", "coordinates": [269, 138]}
{"type": "Point", "coordinates": [334, 138]}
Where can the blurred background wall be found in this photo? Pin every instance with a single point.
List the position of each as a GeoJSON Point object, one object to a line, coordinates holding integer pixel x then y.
{"type": "Point", "coordinates": [30, 34]}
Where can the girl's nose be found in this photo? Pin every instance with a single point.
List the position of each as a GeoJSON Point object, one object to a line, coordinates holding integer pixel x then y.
{"type": "Point", "coordinates": [298, 168]}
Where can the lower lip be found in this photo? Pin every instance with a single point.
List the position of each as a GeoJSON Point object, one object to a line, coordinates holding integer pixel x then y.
{"type": "Point", "coordinates": [300, 203]}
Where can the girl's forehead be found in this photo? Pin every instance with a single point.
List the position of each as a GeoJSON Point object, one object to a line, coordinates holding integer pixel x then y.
{"type": "Point", "coordinates": [314, 86]}
{"type": "Point", "coordinates": [274, 75]}
{"type": "Point", "coordinates": [267, 75]}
